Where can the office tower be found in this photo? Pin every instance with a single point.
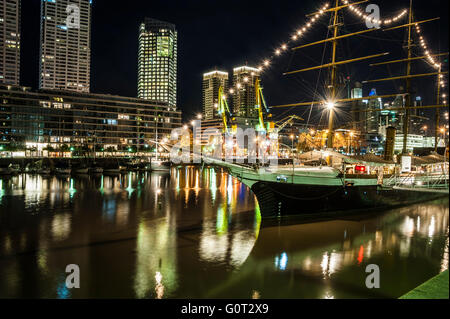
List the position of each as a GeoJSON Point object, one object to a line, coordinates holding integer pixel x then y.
{"type": "Point", "coordinates": [212, 81]}
{"type": "Point", "coordinates": [65, 45]}
{"type": "Point", "coordinates": [372, 116]}
{"type": "Point", "coordinates": [244, 98]}
{"type": "Point", "coordinates": [357, 91]}
{"type": "Point", "coordinates": [418, 118]}
{"type": "Point", "coordinates": [10, 42]}
{"type": "Point", "coordinates": [157, 62]}
{"type": "Point", "coordinates": [358, 108]}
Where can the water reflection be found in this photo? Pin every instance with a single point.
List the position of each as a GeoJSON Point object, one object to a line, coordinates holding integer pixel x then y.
{"type": "Point", "coordinates": [409, 244]}
{"type": "Point", "coordinates": [198, 233]}
{"type": "Point", "coordinates": [156, 259]}
{"type": "Point", "coordinates": [95, 222]}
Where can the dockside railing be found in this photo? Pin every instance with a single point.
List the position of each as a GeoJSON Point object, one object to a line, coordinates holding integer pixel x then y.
{"type": "Point", "coordinates": [415, 181]}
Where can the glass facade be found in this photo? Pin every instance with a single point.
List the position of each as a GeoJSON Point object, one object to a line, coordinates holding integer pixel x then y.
{"type": "Point", "coordinates": [53, 117]}
{"type": "Point", "coordinates": [157, 63]}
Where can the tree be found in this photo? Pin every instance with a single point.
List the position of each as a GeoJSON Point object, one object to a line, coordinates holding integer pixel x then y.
{"type": "Point", "coordinates": [64, 148]}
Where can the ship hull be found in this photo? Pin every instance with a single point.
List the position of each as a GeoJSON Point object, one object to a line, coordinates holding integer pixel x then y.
{"type": "Point", "coordinates": [277, 199]}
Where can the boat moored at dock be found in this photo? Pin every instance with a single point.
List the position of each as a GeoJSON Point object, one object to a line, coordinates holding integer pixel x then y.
{"type": "Point", "coordinates": [323, 190]}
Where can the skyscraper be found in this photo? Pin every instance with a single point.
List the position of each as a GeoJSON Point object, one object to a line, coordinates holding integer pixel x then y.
{"type": "Point", "coordinates": [357, 108]}
{"type": "Point", "coordinates": [212, 81]}
{"type": "Point", "coordinates": [372, 116]}
{"type": "Point", "coordinates": [244, 99]}
{"type": "Point", "coordinates": [10, 42]}
{"type": "Point", "coordinates": [65, 45]}
{"type": "Point", "coordinates": [157, 63]}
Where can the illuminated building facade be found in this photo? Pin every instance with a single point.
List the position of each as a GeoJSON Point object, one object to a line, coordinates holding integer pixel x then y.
{"type": "Point", "coordinates": [415, 141]}
{"type": "Point", "coordinates": [212, 81]}
{"type": "Point", "coordinates": [244, 99]}
{"type": "Point", "coordinates": [418, 118]}
{"type": "Point", "coordinates": [49, 117]}
{"type": "Point", "coordinates": [65, 45]}
{"type": "Point", "coordinates": [157, 62]}
{"type": "Point", "coordinates": [358, 117]}
{"type": "Point", "coordinates": [10, 42]}
{"type": "Point", "coordinates": [373, 116]}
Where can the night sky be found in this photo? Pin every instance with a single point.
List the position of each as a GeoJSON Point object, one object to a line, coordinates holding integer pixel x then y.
{"type": "Point", "coordinates": [226, 34]}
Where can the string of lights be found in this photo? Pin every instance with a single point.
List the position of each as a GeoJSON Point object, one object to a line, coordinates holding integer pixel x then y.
{"type": "Point", "coordinates": [265, 63]}
{"type": "Point", "coordinates": [365, 17]}
{"type": "Point", "coordinates": [426, 51]}
{"type": "Point", "coordinates": [360, 13]}
{"type": "Point", "coordinates": [283, 48]}
{"type": "Point", "coordinates": [422, 41]}
{"type": "Point", "coordinates": [432, 61]}
{"type": "Point", "coordinates": [296, 36]}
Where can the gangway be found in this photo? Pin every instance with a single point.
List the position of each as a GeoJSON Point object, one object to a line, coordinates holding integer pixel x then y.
{"type": "Point", "coordinates": [431, 182]}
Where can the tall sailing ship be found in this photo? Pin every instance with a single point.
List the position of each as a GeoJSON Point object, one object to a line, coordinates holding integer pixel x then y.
{"type": "Point", "coordinates": [353, 183]}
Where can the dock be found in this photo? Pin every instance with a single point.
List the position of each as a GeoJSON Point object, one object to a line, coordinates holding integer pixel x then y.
{"type": "Point", "coordinates": [435, 288]}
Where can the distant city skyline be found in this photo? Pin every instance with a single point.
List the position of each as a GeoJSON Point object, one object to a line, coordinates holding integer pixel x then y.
{"type": "Point", "coordinates": [115, 47]}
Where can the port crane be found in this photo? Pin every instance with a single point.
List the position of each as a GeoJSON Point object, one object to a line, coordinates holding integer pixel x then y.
{"type": "Point", "coordinates": [260, 103]}
{"type": "Point", "coordinates": [288, 120]}
{"type": "Point", "coordinates": [223, 109]}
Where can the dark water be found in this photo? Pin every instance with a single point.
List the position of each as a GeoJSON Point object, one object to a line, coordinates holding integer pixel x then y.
{"type": "Point", "coordinates": [198, 234]}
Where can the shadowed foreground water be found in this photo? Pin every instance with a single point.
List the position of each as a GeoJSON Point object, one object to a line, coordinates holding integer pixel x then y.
{"type": "Point", "coordinates": [198, 234]}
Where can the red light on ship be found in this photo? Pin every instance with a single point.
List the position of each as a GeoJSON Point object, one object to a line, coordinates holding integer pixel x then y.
{"type": "Point", "coordinates": [360, 168]}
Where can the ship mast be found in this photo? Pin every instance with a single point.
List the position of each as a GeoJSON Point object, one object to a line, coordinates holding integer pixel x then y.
{"type": "Point", "coordinates": [438, 112]}
{"type": "Point", "coordinates": [408, 83]}
{"type": "Point", "coordinates": [333, 98]}
{"type": "Point", "coordinates": [333, 77]}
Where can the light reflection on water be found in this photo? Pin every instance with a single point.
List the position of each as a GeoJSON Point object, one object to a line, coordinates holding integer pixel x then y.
{"type": "Point", "coordinates": [197, 233]}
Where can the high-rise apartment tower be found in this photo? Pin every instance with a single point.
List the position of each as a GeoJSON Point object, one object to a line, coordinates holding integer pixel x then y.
{"type": "Point", "coordinates": [10, 42]}
{"type": "Point", "coordinates": [212, 81]}
{"type": "Point", "coordinates": [157, 62]}
{"type": "Point", "coordinates": [65, 54]}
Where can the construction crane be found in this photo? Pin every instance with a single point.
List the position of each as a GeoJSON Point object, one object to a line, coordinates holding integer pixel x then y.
{"type": "Point", "coordinates": [260, 103]}
{"type": "Point", "coordinates": [223, 109]}
{"type": "Point", "coordinates": [280, 125]}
